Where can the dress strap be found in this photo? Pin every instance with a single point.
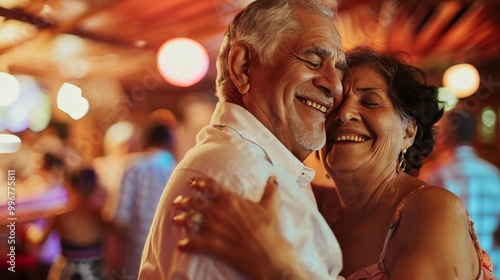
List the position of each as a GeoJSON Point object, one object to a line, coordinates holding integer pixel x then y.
{"type": "Point", "coordinates": [484, 258]}
{"type": "Point", "coordinates": [394, 223]}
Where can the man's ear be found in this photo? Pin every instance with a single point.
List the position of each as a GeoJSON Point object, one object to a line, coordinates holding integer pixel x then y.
{"type": "Point", "coordinates": [239, 60]}
{"type": "Point", "coordinates": [410, 132]}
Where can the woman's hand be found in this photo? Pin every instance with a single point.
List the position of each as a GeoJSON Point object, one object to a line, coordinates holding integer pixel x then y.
{"type": "Point", "coordinates": [245, 235]}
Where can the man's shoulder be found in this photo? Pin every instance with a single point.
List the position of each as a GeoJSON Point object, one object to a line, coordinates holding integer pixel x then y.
{"type": "Point", "coordinates": [232, 158]}
{"type": "Point", "coordinates": [237, 164]}
{"type": "Point", "coordinates": [225, 147]}
{"type": "Point", "coordinates": [137, 164]}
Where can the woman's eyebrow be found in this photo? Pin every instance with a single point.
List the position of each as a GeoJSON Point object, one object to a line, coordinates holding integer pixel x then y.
{"type": "Point", "coordinates": [370, 90]}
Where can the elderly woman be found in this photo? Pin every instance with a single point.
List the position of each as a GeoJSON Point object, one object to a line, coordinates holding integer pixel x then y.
{"type": "Point", "coordinates": [392, 225]}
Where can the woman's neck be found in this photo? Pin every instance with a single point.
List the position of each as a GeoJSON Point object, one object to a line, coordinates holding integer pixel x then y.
{"type": "Point", "coordinates": [365, 190]}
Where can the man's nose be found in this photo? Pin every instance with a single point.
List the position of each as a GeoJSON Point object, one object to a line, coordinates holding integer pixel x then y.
{"type": "Point", "coordinates": [330, 82]}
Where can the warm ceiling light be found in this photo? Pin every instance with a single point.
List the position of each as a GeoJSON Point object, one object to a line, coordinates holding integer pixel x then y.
{"type": "Point", "coordinates": [462, 79]}
{"type": "Point", "coordinates": [9, 143]}
{"type": "Point", "coordinates": [9, 89]}
{"type": "Point", "coordinates": [71, 101]}
{"type": "Point", "coordinates": [66, 47]}
{"type": "Point", "coordinates": [182, 62]}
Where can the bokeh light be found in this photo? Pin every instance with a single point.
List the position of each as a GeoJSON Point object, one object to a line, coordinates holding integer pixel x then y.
{"type": "Point", "coordinates": [31, 109]}
{"type": "Point", "coordinates": [71, 101]}
{"type": "Point", "coordinates": [488, 125]}
{"type": "Point", "coordinates": [446, 95]}
{"type": "Point", "coordinates": [9, 143]}
{"type": "Point", "coordinates": [182, 62]}
{"type": "Point", "coordinates": [40, 115]}
{"type": "Point", "coordinates": [116, 135]}
{"type": "Point", "coordinates": [9, 89]}
{"type": "Point", "coordinates": [462, 79]}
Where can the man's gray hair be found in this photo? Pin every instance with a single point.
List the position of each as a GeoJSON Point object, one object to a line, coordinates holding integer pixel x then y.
{"type": "Point", "coordinates": [263, 24]}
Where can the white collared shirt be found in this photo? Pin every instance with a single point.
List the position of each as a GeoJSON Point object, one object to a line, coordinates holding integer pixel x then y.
{"type": "Point", "coordinates": [241, 154]}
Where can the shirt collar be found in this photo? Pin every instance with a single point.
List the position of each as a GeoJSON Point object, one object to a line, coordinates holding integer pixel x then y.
{"type": "Point", "coordinates": [248, 127]}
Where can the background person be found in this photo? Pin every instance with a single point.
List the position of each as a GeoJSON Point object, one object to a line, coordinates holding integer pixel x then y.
{"type": "Point", "coordinates": [121, 144]}
{"type": "Point", "coordinates": [141, 187]}
{"type": "Point", "coordinates": [80, 228]}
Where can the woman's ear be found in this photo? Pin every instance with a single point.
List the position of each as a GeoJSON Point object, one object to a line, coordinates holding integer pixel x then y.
{"type": "Point", "coordinates": [410, 132]}
{"type": "Point", "coordinates": [239, 60]}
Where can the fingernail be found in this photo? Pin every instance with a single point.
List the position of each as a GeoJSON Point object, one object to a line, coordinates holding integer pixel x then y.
{"type": "Point", "coordinates": [198, 184]}
{"type": "Point", "coordinates": [275, 181]}
{"type": "Point", "coordinates": [177, 219]}
{"type": "Point", "coordinates": [177, 200]}
{"type": "Point", "coordinates": [183, 242]}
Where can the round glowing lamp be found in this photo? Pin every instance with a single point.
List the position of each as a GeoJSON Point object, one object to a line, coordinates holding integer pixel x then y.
{"type": "Point", "coordinates": [462, 79]}
{"type": "Point", "coordinates": [9, 89]}
{"type": "Point", "coordinates": [182, 62]}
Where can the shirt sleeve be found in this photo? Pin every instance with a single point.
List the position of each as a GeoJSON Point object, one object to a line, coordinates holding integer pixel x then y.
{"type": "Point", "coordinates": [129, 184]}
{"type": "Point", "coordinates": [161, 259]}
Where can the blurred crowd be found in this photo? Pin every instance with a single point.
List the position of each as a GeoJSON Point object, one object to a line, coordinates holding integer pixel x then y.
{"type": "Point", "coordinates": [83, 218]}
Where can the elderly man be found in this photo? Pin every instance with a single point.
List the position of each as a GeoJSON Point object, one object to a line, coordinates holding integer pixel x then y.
{"type": "Point", "coordinates": [279, 74]}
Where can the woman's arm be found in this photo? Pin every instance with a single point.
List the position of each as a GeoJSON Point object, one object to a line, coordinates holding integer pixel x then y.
{"type": "Point", "coordinates": [36, 235]}
{"type": "Point", "coordinates": [243, 234]}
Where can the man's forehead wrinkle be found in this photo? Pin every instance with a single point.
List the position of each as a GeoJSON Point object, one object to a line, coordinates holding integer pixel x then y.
{"type": "Point", "coordinates": [326, 32]}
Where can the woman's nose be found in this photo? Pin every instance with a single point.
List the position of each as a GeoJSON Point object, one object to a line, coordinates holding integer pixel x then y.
{"type": "Point", "coordinates": [346, 113]}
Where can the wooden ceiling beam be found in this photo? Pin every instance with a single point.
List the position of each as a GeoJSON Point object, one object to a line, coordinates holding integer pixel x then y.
{"type": "Point", "coordinates": [432, 30]}
{"type": "Point", "coordinates": [44, 23]}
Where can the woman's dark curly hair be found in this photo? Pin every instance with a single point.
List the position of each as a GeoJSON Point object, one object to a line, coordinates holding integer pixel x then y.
{"type": "Point", "coordinates": [411, 96]}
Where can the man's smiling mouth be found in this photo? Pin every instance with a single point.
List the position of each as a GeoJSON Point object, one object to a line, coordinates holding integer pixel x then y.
{"type": "Point", "coordinates": [313, 104]}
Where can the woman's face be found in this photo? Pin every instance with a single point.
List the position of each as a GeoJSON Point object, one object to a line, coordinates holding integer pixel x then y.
{"type": "Point", "coordinates": [365, 131]}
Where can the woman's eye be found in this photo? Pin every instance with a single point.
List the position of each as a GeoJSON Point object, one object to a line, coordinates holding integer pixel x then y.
{"type": "Point", "coordinates": [369, 103]}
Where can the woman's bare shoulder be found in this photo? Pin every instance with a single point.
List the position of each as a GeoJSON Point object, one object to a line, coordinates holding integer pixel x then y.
{"type": "Point", "coordinates": [434, 207]}
{"type": "Point", "coordinates": [433, 235]}
{"type": "Point", "coordinates": [436, 198]}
